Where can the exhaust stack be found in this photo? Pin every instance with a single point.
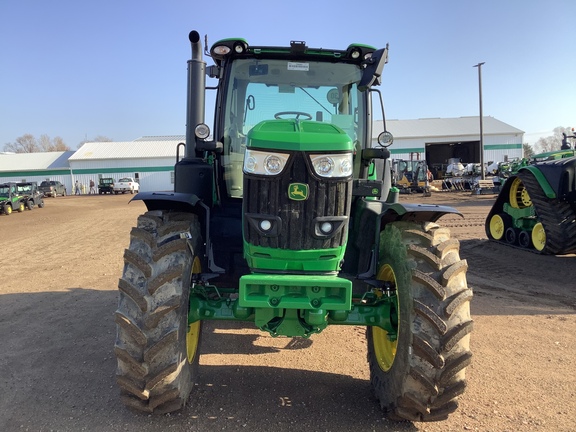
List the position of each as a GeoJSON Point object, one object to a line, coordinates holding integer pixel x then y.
{"type": "Point", "coordinates": [196, 93]}
{"type": "Point", "coordinates": [192, 175]}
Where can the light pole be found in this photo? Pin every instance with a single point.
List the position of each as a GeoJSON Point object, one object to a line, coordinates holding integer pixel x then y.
{"type": "Point", "coordinates": [479, 66]}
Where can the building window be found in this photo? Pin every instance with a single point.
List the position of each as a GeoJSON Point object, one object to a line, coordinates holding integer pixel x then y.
{"type": "Point", "coordinates": [171, 177]}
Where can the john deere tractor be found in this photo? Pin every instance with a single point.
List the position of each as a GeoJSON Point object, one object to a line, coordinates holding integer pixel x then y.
{"type": "Point", "coordinates": [279, 220]}
{"type": "Point", "coordinates": [536, 208]}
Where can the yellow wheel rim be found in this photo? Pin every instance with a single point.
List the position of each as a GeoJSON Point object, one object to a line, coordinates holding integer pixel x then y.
{"type": "Point", "coordinates": [538, 237]}
{"type": "Point", "coordinates": [384, 348]}
{"type": "Point", "coordinates": [193, 334]}
{"type": "Point", "coordinates": [497, 227]}
{"type": "Point", "coordinates": [192, 338]}
{"type": "Point", "coordinates": [519, 196]}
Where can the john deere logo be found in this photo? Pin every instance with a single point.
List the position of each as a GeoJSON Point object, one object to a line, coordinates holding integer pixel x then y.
{"type": "Point", "coordinates": [298, 191]}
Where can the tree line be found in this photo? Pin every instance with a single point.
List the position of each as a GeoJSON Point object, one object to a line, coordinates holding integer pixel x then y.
{"type": "Point", "coordinates": [28, 143]}
{"type": "Point", "coordinates": [554, 142]}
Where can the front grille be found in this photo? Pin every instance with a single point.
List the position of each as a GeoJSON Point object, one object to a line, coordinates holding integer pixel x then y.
{"type": "Point", "coordinates": [269, 196]}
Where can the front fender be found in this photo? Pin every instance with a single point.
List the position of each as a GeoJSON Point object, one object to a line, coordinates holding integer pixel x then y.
{"type": "Point", "coordinates": [168, 201]}
{"type": "Point", "coordinates": [370, 218]}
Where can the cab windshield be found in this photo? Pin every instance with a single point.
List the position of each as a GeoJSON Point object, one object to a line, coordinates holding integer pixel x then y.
{"type": "Point", "coordinates": [261, 90]}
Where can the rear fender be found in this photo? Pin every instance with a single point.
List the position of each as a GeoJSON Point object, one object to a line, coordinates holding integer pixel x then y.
{"type": "Point", "coordinates": [372, 216]}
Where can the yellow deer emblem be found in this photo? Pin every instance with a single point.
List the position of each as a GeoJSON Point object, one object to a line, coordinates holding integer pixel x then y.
{"type": "Point", "coordinates": [298, 191]}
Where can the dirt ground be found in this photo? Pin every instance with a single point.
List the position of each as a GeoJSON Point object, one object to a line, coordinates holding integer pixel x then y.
{"type": "Point", "coordinates": [60, 268]}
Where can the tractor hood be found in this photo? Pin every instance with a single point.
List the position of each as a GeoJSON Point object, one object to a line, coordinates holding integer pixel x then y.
{"type": "Point", "coordinates": [292, 134]}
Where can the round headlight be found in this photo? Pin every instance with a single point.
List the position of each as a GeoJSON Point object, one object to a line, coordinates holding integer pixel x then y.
{"type": "Point", "coordinates": [346, 167]}
{"type": "Point", "coordinates": [250, 164]}
{"type": "Point", "coordinates": [326, 227]}
{"type": "Point", "coordinates": [265, 225]}
{"type": "Point", "coordinates": [273, 164]}
{"type": "Point", "coordinates": [324, 166]}
{"type": "Point", "coordinates": [385, 139]}
{"type": "Point", "coordinates": [202, 131]}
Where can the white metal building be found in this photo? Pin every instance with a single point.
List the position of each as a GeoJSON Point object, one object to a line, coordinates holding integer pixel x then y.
{"type": "Point", "coordinates": [150, 160]}
{"type": "Point", "coordinates": [30, 167]}
{"type": "Point", "coordinates": [439, 139]}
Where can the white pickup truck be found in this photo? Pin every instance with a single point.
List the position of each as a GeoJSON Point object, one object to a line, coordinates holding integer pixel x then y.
{"type": "Point", "coordinates": [126, 184]}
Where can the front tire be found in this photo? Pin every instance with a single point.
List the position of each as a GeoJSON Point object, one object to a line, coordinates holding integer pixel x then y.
{"type": "Point", "coordinates": [156, 349]}
{"type": "Point", "coordinates": [419, 376]}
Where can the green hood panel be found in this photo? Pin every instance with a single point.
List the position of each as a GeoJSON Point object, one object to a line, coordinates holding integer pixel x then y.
{"type": "Point", "coordinates": [292, 134]}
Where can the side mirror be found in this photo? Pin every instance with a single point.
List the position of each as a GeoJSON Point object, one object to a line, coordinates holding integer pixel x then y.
{"type": "Point", "coordinates": [373, 71]}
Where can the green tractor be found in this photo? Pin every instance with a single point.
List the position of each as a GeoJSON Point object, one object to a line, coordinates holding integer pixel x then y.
{"type": "Point", "coordinates": [278, 220]}
{"type": "Point", "coordinates": [536, 207]}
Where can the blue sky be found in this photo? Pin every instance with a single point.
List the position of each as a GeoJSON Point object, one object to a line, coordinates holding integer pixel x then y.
{"type": "Point", "coordinates": [117, 68]}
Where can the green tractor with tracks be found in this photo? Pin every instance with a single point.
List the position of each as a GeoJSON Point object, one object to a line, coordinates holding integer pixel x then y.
{"type": "Point", "coordinates": [278, 219]}
{"type": "Point", "coordinates": [536, 207]}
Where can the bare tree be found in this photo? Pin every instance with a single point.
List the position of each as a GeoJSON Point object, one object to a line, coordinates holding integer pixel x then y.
{"type": "Point", "coordinates": [44, 143]}
{"type": "Point", "coordinates": [554, 142]}
{"type": "Point", "coordinates": [27, 143]}
{"type": "Point", "coordinates": [24, 144]}
{"type": "Point", "coordinates": [59, 144]}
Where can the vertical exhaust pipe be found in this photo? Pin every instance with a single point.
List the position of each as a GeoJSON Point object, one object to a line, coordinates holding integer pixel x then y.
{"type": "Point", "coordinates": [196, 93]}
{"type": "Point", "coordinates": [192, 175]}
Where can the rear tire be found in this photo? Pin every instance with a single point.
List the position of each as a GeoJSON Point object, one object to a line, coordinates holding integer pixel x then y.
{"type": "Point", "coordinates": [29, 205]}
{"type": "Point", "coordinates": [156, 349]}
{"type": "Point", "coordinates": [419, 376]}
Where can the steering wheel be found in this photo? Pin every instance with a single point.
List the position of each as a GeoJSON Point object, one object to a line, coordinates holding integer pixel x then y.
{"type": "Point", "coordinates": [297, 115]}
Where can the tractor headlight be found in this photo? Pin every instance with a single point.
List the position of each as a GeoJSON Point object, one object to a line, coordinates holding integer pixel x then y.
{"type": "Point", "coordinates": [332, 165]}
{"type": "Point", "coordinates": [202, 131]}
{"type": "Point", "coordinates": [264, 163]}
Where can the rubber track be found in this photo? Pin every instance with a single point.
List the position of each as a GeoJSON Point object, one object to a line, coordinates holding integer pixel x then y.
{"type": "Point", "coordinates": [556, 216]}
